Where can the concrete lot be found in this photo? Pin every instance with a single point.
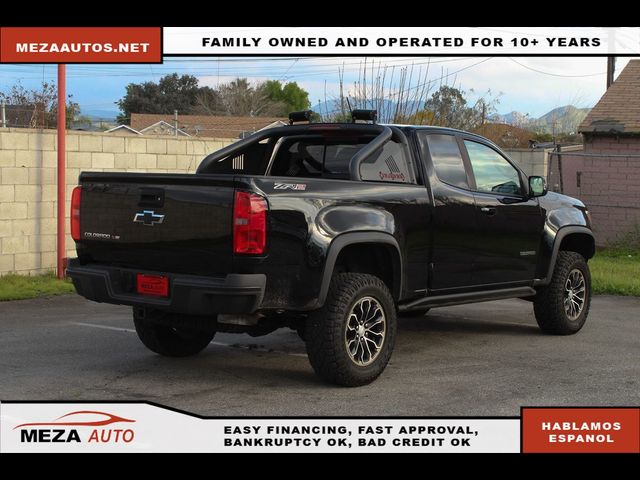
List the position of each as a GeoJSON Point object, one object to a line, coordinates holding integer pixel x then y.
{"type": "Point", "coordinates": [484, 359]}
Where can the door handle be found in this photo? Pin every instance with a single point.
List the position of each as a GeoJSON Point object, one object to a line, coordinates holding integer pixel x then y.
{"type": "Point", "coordinates": [490, 211]}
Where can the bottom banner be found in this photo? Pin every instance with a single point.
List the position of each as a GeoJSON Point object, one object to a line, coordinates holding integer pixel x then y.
{"type": "Point", "coordinates": [146, 427]}
{"type": "Point", "coordinates": [142, 427]}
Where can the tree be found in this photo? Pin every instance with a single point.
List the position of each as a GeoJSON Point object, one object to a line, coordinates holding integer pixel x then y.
{"type": "Point", "coordinates": [270, 98]}
{"type": "Point", "coordinates": [238, 97]}
{"type": "Point", "coordinates": [286, 98]}
{"type": "Point", "coordinates": [172, 92]}
{"type": "Point", "coordinates": [208, 102]}
{"type": "Point", "coordinates": [448, 107]}
{"type": "Point", "coordinates": [421, 117]}
{"type": "Point", "coordinates": [44, 100]}
{"type": "Point", "coordinates": [72, 112]}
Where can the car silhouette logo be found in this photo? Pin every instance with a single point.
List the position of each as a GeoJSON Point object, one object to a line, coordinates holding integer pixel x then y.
{"type": "Point", "coordinates": [69, 421]}
{"type": "Point", "coordinates": [148, 218]}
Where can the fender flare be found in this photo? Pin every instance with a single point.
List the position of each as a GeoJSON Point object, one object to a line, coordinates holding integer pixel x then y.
{"type": "Point", "coordinates": [560, 235]}
{"type": "Point", "coordinates": [347, 239]}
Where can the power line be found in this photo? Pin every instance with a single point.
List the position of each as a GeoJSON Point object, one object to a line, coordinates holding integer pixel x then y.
{"type": "Point", "coordinates": [554, 74]}
{"type": "Point", "coordinates": [316, 68]}
{"type": "Point", "coordinates": [440, 78]}
{"type": "Point", "coordinates": [288, 69]}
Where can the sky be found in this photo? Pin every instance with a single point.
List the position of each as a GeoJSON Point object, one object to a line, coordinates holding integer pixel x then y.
{"type": "Point", "coordinates": [532, 85]}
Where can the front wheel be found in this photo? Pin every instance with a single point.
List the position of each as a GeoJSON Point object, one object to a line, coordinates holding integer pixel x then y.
{"type": "Point", "coordinates": [157, 333]}
{"type": "Point", "coordinates": [561, 308]}
{"type": "Point", "coordinates": [350, 339]}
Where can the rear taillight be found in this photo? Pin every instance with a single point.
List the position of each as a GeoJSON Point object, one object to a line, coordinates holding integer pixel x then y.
{"type": "Point", "coordinates": [249, 224]}
{"type": "Point", "coordinates": [76, 196]}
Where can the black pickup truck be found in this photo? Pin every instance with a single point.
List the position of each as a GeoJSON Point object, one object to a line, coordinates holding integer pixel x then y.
{"type": "Point", "coordinates": [334, 230]}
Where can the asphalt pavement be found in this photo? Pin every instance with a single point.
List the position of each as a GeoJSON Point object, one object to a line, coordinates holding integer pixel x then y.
{"type": "Point", "coordinates": [482, 359]}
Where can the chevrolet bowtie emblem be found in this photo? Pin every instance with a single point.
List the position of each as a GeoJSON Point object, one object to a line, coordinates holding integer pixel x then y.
{"type": "Point", "coordinates": [148, 218]}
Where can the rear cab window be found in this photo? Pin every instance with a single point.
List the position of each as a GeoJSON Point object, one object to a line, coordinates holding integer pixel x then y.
{"type": "Point", "coordinates": [327, 158]}
{"type": "Point", "coordinates": [313, 158]}
{"type": "Point", "coordinates": [446, 157]}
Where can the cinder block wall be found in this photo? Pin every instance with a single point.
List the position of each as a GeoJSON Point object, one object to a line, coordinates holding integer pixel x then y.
{"type": "Point", "coordinates": [533, 162]}
{"type": "Point", "coordinates": [28, 191]}
{"type": "Point", "coordinates": [28, 160]}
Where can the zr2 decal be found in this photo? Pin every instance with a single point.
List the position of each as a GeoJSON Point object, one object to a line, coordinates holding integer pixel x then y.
{"type": "Point", "coordinates": [289, 186]}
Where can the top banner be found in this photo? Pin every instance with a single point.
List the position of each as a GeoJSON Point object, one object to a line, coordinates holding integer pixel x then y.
{"type": "Point", "coordinates": [150, 44]}
{"type": "Point", "coordinates": [401, 41]}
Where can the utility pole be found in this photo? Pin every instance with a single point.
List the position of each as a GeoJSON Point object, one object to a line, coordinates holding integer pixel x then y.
{"type": "Point", "coordinates": [611, 69]}
{"type": "Point", "coordinates": [62, 120]}
{"type": "Point", "coordinates": [611, 60]}
{"type": "Point", "coordinates": [175, 121]}
{"type": "Point", "coordinates": [4, 114]}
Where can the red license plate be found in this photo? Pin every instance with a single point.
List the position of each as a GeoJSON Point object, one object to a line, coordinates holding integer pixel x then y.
{"type": "Point", "coordinates": [156, 285]}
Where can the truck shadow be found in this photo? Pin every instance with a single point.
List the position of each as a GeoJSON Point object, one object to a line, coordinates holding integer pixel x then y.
{"type": "Point", "coordinates": [462, 325]}
{"type": "Point", "coordinates": [277, 362]}
{"type": "Point", "coordinates": [268, 362]}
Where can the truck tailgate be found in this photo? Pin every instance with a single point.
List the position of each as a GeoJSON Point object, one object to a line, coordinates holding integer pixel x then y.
{"type": "Point", "coordinates": [171, 222]}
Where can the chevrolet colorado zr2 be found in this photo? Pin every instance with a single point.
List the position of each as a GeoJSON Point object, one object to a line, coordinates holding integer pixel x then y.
{"type": "Point", "coordinates": [334, 230]}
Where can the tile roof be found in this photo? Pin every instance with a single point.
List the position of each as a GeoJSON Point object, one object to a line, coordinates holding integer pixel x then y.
{"type": "Point", "coordinates": [205, 125]}
{"type": "Point", "coordinates": [618, 111]}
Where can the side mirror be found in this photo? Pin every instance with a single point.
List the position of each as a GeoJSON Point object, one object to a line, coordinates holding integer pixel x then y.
{"type": "Point", "coordinates": [537, 186]}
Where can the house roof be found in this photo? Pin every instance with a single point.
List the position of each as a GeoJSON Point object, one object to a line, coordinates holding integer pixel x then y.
{"type": "Point", "coordinates": [206, 125]}
{"type": "Point", "coordinates": [618, 111]}
{"type": "Point", "coordinates": [161, 126]}
{"type": "Point", "coordinates": [85, 127]}
{"type": "Point", "coordinates": [123, 127]}
{"type": "Point", "coordinates": [276, 124]}
{"type": "Point", "coordinates": [27, 116]}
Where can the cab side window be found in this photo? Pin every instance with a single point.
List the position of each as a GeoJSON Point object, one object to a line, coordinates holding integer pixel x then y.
{"type": "Point", "coordinates": [446, 157]}
{"type": "Point", "coordinates": [493, 172]}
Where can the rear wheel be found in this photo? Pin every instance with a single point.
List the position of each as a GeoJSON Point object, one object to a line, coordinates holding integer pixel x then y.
{"type": "Point", "coordinates": [350, 340]}
{"type": "Point", "coordinates": [157, 332]}
{"type": "Point", "coordinates": [561, 308]}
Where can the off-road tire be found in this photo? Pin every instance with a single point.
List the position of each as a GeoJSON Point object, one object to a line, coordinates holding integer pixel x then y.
{"type": "Point", "coordinates": [158, 335]}
{"type": "Point", "coordinates": [326, 328]}
{"type": "Point", "coordinates": [548, 304]}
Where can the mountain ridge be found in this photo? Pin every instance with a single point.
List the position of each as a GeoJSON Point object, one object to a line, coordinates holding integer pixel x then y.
{"type": "Point", "coordinates": [564, 119]}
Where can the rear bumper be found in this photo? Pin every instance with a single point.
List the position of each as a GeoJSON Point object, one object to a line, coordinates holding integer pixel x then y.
{"type": "Point", "coordinates": [188, 294]}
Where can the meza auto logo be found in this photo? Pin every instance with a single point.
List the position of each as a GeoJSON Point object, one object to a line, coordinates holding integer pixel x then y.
{"type": "Point", "coordinates": [83, 426]}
